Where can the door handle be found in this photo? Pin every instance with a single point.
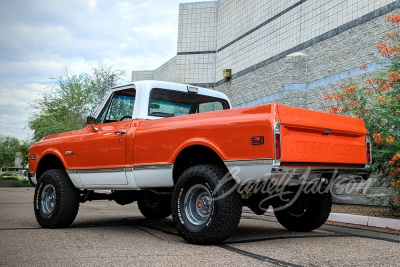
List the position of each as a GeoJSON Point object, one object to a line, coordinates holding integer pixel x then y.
{"type": "Point", "coordinates": [120, 132]}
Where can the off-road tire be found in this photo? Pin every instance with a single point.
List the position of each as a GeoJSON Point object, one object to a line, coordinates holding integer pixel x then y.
{"type": "Point", "coordinates": [154, 206]}
{"type": "Point", "coordinates": [222, 206]}
{"type": "Point", "coordinates": [317, 208]}
{"type": "Point", "coordinates": [56, 200]}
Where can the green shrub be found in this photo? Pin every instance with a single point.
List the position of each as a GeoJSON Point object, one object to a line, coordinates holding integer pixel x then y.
{"type": "Point", "coordinates": [12, 176]}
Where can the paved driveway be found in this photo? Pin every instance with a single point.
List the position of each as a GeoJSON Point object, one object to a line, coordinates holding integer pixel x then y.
{"type": "Point", "coordinates": [107, 234]}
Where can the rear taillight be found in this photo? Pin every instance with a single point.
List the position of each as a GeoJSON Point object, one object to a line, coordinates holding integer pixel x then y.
{"type": "Point", "coordinates": [277, 146]}
{"type": "Point", "coordinates": [277, 141]}
{"type": "Point", "coordinates": [369, 151]}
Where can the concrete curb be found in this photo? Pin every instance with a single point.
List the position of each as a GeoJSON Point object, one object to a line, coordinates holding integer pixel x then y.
{"type": "Point", "coordinates": [390, 224]}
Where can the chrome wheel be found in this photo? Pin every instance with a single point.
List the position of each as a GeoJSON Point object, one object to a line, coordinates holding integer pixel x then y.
{"type": "Point", "coordinates": [198, 204]}
{"type": "Point", "coordinates": [48, 199]}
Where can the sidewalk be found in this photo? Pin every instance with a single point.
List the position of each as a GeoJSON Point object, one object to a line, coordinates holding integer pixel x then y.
{"type": "Point", "coordinates": [389, 224]}
{"type": "Point", "coordinates": [384, 223]}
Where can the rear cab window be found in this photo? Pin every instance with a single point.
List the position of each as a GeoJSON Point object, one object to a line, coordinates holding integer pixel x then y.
{"type": "Point", "coordinates": [167, 103]}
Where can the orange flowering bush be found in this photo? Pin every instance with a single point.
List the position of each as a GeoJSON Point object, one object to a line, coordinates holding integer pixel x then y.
{"type": "Point", "coordinates": [395, 174]}
{"type": "Point", "coordinates": [377, 101]}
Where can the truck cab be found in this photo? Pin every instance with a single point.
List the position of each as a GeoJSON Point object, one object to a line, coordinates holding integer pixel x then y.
{"type": "Point", "coordinates": [107, 142]}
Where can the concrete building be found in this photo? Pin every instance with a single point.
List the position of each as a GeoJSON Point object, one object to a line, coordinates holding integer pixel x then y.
{"type": "Point", "coordinates": [290, 52]}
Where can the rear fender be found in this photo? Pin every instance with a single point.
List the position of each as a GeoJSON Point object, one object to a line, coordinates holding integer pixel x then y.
{"type": "Point", "coordinates": [199, 142]}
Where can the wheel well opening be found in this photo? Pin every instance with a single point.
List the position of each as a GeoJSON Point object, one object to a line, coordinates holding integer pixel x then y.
{"type": "Point", "coordinates": [48, 162]}
{"type": "Point", "coordinates": [195, 155]}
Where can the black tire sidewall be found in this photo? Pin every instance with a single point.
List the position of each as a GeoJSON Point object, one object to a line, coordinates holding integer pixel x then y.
{"type": "Point", "coordinates": [46, 180]}
{"type": "Point", "coordinates": [66, 202]}
{"type": "Point", "coordinates": [227, 205]}
{"type": "Point", "coordinates": [316, 214]}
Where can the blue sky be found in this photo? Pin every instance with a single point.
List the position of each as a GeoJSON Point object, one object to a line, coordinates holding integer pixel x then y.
{"type": "Point", "coordinates": [40, 39]}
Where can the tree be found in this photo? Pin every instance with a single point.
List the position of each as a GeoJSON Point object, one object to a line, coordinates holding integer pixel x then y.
{"type": "Point", "coordinates": [24, 149]}
{"type": "Point", "coordinates": [9, 146]}
{"type": "Point", "coordinates": [378, 103]}
{"type": "Point", "coordinates": [71, 99]}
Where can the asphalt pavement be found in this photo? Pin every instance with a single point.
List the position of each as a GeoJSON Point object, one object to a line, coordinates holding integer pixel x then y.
{"type": "Point", "coordinates": [107, 234]}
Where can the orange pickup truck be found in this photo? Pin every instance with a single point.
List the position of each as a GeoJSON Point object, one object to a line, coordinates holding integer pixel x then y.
{"type": "Point", "coordinates": [181, 150]}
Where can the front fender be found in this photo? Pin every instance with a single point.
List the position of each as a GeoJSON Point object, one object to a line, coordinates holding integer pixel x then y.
{"type": "Point", "coordinates": [55, 152]}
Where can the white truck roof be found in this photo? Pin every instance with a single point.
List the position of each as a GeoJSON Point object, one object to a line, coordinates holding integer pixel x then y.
{"type": "Point", "coordinates": [143, 89]}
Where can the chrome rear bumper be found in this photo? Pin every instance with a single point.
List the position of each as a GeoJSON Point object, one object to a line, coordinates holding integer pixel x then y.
{"type": "Point", "coordinates": [253, 171]}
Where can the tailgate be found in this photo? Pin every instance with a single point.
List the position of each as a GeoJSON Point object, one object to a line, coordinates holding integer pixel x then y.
{"type": "Point", "coordinates": [317, 137]}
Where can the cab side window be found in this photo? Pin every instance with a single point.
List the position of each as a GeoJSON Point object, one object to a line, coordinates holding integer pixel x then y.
{"type": "Point", "coordinates": [119, 107]}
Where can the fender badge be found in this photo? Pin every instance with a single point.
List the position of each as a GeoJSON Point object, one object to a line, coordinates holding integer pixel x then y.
{"type": "Point", "coordinates": [69, 152]}
{"type": "Point", "coordinates": [327, 131]}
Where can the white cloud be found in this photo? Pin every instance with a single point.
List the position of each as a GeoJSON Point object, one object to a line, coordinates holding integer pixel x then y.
{"type": "Point", "coordinates": [40, 39]}
{"type": "Point", "coordinates": [14, 108]}
{"type": "Point", "coordinates": [92, 4]}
